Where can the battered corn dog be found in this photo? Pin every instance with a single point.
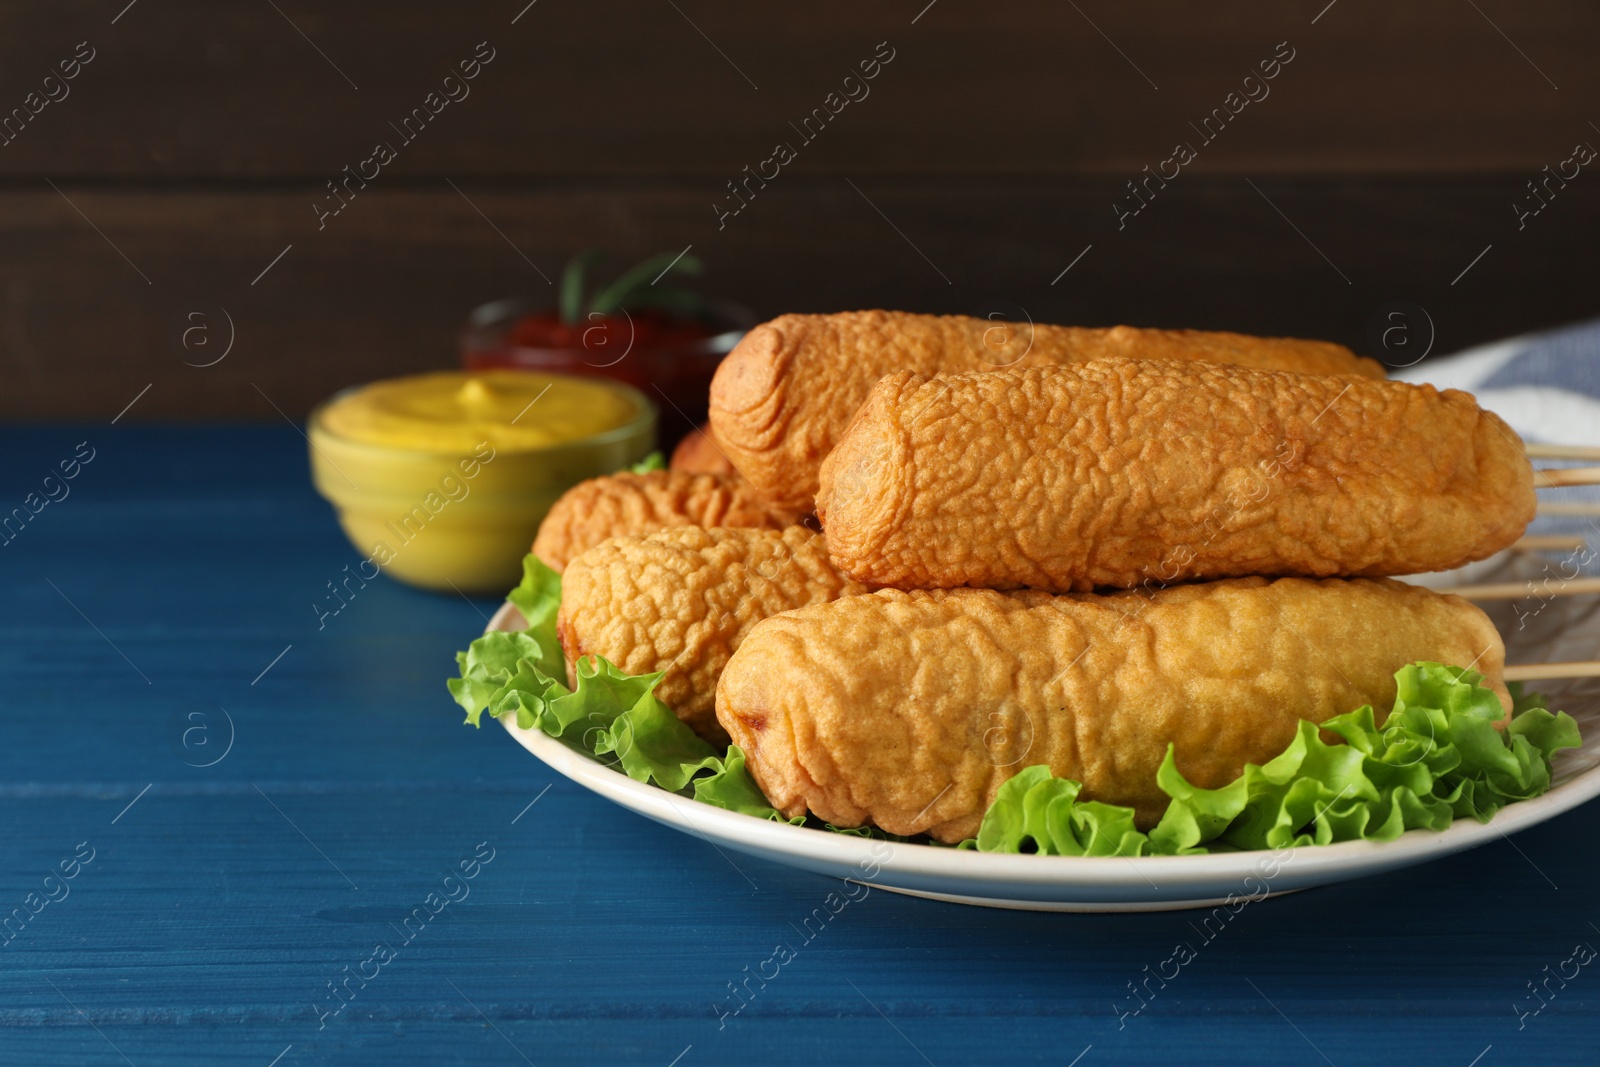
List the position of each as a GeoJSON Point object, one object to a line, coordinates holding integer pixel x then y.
{"type": "Point", "coordinates": [628, 503]}
{"type": "Point", "coordinates": [910, 710]}
{"type": "Point", "coordinates": [680, 601]}
{"type": "Point", "coordinates": [698, 454]}
{"type": "Point", "coordinates": [1117, 472]}
{"type": "Point", "coordinates": [787, 391]}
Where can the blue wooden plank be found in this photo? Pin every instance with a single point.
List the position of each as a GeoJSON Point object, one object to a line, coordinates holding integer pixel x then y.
{"type": "Point", "coordinates": [219, 906]}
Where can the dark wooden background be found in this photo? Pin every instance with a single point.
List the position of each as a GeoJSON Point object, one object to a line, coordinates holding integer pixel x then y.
{"type": "Point", "coordinates": [986, 158]}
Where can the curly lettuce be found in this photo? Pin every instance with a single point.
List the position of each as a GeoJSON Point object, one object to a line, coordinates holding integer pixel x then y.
{"type": "Point", "coordinates": [655, 461]}
{"type": "Point", "coordinates": [1436, 758]}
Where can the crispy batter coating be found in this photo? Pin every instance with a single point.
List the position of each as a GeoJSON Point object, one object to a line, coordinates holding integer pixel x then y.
{"type": "Point", "coordinates": [787, 391]}
{"type": "Point", "coordinates": [680, 601]}
{"type": "Point", "coordinates": [910, 710]}
{"type": "Point", "coordinates": [696, 454]}
{"type": "Point", "coordinates": [1118, 472]}
{"type": "Point", "coordinates": [637, 504]}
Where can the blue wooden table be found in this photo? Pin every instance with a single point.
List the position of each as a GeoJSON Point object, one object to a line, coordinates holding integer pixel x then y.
{"type": "Point", "coordinates": [233, 836]}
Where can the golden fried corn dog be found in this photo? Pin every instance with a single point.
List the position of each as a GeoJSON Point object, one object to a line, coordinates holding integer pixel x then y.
{"type": "Point", "coordinates": [697, 454]}
{"type": "Point", "coordinates": [910, 710]}
{"type": "Point", "coordinates": [628, 503]}
{"type": "Point", "coordinates": [680, 601]}
{"type": "Point", "coordinates": [1118, 472]}
{"type": "Point", "coordinates": [787, 391]}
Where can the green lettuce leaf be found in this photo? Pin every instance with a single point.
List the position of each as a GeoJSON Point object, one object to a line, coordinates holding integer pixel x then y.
{"type": "Point", "coordinates": [486, 668]}
{"type": "Point", "coordinates": [1437, 757]}
{"type": "Point", "coordinates": [655, 461]}
{"type": "Point", "coordinates": [538, 598]}
{"type": "Point", "coordinates": [612, 716]}
{"type": "Point", "coordinates": [489, 664]}
{"type": "Point", "coordinates": [1035, 812]}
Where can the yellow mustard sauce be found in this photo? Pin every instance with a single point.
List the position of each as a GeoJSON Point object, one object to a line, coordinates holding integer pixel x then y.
{"type": "Point", "coordinates": [456, 411]}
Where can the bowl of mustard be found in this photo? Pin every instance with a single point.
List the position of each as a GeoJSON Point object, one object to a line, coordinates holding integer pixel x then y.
{"type": "Point", "coordinates": [441, 480]}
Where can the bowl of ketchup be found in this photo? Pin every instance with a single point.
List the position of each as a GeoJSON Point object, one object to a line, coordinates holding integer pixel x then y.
{"type": "Point", "coordinates": [667, 355]}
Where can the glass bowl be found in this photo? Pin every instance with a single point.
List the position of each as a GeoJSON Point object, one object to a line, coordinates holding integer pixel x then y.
{"type": "Point", "coordinates": [677, 377]}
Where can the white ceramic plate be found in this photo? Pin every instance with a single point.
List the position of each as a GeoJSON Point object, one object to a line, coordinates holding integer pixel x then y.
{"type": "Point", "coordinates": [1564, 629]}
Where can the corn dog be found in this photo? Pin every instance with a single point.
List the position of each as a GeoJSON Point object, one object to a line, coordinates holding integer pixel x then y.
{"type": "Point", "coordinates": [681, 600]}
{"type": "Point", "coordinates": [910, 710]}
{"type": "Point", "coordinates": [786, 393]}
{"type": "Point", "coordinates": [698, 454]}
{"type": "Point", "coordinates": [1117, 472]}
{"type": "Point", "coordinates": [628, 503]}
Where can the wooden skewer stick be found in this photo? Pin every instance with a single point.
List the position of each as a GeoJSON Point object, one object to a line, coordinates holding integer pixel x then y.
{"type": "Point", "coordinates": [1518, 590]}
{"type": "Point", "coordinates": [1550, 543]}
{"type": "Point", "coordinates": [1555, 477]}
{"type": "Point", "coordinates": [1536, 672]}
{"type": "Point", "coordinates": [1562, 451]}
{"type": "Point", "coordinates": [1564, 508]}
